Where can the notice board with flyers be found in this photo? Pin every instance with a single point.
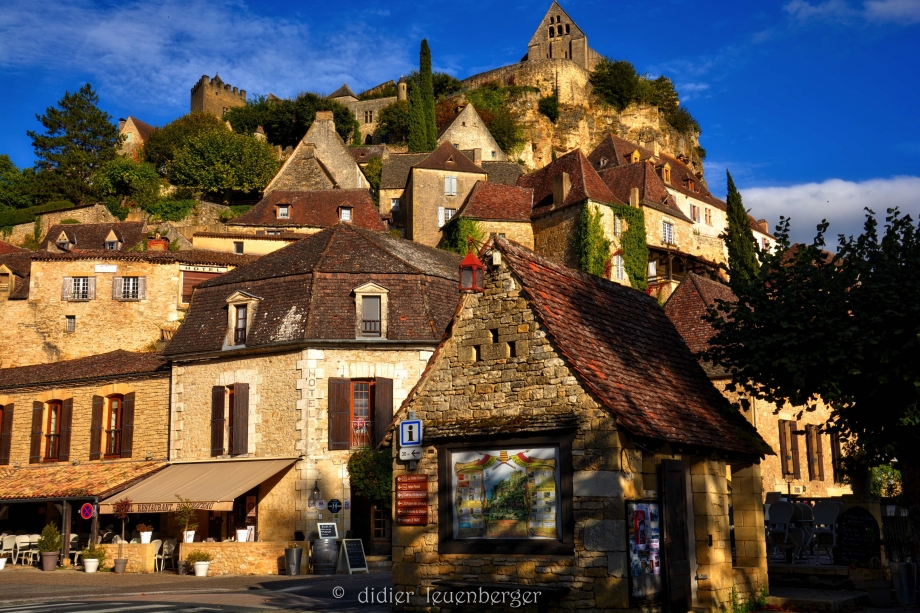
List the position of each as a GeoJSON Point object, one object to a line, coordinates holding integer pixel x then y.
{"type": "Point", "coordinates": [643, 522]}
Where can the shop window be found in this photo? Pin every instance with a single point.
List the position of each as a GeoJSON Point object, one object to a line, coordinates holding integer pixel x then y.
{"type": "Point", "coordinates": [111, 433]}
{"type": "Point", "coordinates": [359, 411]}
{"type": "Point", "coordinates": [506, 497]}
{"type": "Point", "coordinates": [113, 423]}
{"type": "Point", "coordinates": [789, 449]}
{"type": "Point", "coordinates": [129, 288]}
{"type": "Point", "coordinates": [79, 288]}
{"type": "Point", "coordinates": [230, 419]}
{"type": "Point", "coordinates": [815, 451]}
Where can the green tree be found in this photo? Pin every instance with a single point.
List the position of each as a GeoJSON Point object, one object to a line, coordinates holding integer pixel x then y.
{"type": "Point", "coordinates": [393, 121]}
{"type": "Point", "coordinates": [423, 133]}
{"type": "Point", "coordinates": [15, 185]}
{"type": "Point", "coordinates": [222, 163]}
{"type": "Point", "coordinates": [372, 171]}
{"type": "Point", "coordinates": [286, 121]}
{"type": "Point", "coordinates": [506, 130]}
{"type": "Point", "coordinates": [841, 328]}
{"type": "Point", "coordinates": [457, 231]}
{"type": "Point", "coordinates": [443, 84]}
{"type": "Point", "coordinates": [615, 82]}
{"type": "Point", "coordinates": [549, 106]}
{"type": "Point", "coordinates": [371, 474]}
{"type": "Point", "coordinates": [125, 180]}
{"type": "Point", "coordinates": [739, 239]}
{"type": "Point", "coordinates": [592, 249]}
{"type": "Point", "coordinates": [78, 139]}
{"type": "Point", "coordinates": [162, 143]}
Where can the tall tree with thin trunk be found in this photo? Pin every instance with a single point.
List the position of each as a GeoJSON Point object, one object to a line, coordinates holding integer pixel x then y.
{"type": "Point", "coordinates": [426, 81]}
{"type": "Point", "coordinates": [739, 239]}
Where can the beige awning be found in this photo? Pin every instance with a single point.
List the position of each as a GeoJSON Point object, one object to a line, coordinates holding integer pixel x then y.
{"type": "Point", "coordinates": [209, 485]}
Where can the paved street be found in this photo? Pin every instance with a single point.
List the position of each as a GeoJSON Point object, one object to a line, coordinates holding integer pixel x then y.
{"type": "Point", "coordinates": [28, 590]}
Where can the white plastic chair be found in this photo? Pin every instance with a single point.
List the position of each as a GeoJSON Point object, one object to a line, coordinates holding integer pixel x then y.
{"type": "Point", "coordinates": [24, 550]}
{"type": "Point", "coordinates": [157, 544]}
{"type": "Point", "coordinates": [781, 529]}
{"type": "Point", "coordinates": [167, 552]}
{"type": "Point", "coordinates": [75, 551]}
{"type": "Point", "coordinates": [826, 512]}
{"type": "Point", "coordinates": [8, 545]}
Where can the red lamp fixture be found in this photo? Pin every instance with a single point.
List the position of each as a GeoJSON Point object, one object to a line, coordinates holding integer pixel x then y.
{"type": "Point", "coordinates": [471, 274]}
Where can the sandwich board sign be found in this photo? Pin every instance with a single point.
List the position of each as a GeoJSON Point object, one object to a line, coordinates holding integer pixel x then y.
{"type": "Point", "coordinates": [351, 557]}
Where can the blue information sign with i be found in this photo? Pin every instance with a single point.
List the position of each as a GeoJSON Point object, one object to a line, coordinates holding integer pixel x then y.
{"type": "Point", "coordinates": [410, 433]}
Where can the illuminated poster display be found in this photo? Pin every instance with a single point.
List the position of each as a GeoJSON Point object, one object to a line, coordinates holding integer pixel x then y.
{"type": "Point", "coordinates": [643, 519]}
{"type": "Point", "coordinates": [506, 494]}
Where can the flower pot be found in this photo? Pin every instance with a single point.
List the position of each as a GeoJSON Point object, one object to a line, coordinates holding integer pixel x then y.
{"type": "Point", "coordinates": [2, 563]}
{"type": "Point", "coordinates": [292, 558]}
{"type": "Point", "coordinates": [879, 593]}
{"type": "Point", "coordinates": [189, 536]}
{"type": "Point", "coordinates": [120, 564]}
{"type": "Point", "coordinates": [90, 565]}
{"type": "Point", "coordinates": [145, 536]}
{"type": "Point", "coordinates": [50, 560]}
{"type": "Point", "coordinates": [242, 536]}
{"type": "Point", "coordinates": [201, 569]}
{"type": "Point", "coordinates": [182, 569]}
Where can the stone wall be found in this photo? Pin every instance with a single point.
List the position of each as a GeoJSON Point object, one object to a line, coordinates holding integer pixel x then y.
{"type": "Point", "coordinates": [141, 557]}
{"type": "Point", "coordinates": [213, 96]}
{"type": "Point", "coordinates": [552, 234]}
{"type": "Point", "coordinates": [36, 328]}
{"type": "Point", "coordinates": [92, 213]}
{"type": "Point", "coordinates": [333, 152]}
{"type": "Point", "coordinates": [468, 131]}
{"type": "Point", "coordinates": [264, 558]}
{"type": "Point", "coordinates": [252, 245]}
{"type": "Point", "coordinates": [518, 231]}
{"type": "Point", "coordinates": [151, 415]}
{"type": "Point", "coordinates": [426, 194]}
{"type": "Point", "coordinates": [368, 109]}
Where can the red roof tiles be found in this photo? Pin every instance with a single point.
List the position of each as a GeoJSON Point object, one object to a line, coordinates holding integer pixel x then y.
{"type": "Point", "coordinates": [448, 157]}
{"type": "Point", "coordinates": [6, 247]}
{"type": "Point", "coordinates": [498, 202]}
{"type": "Point", "coordinates": [585, 183]}
{"type": "Point", "coordinates": [70, 481]}
{"type": "Point", "coordinates": [313, 209]}
{"type": "Point", "coordinates": [112, 364]}
{"type": "Point", "coordinates": [688, 306]}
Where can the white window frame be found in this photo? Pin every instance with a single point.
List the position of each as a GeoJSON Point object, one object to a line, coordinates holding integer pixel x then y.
{"type": "Point", "coordinates": [284, 211]}
{"type": "Point", "coordinates": [619, 267]}
{"type": "Point", "coordinates": [70, 323]}
{"type": "Point", "coordinates": [667, 233]}
{"type": "Point", "coordinates": [345, 214]}
{"type": "Point", "coordinates": [368, 290]}
{"type": "Point", "coordinates": [79, 288]}
{"type": "Point", "coordinates": [111, 245]}
{"type": "Point", "coordinates": [617, 226]}
{"type": "Point", "coordinates": [449, 214]}
{"type": "Point", "coordinates": [450, 185]}
{"type": "Point", "coordinates": [130, 288]}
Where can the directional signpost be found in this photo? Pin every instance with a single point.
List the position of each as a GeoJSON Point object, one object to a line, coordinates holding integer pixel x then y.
{"type": "Point", "coordinates": [412, 500]}
{"type": "Point", "coordinates": [410, 439]}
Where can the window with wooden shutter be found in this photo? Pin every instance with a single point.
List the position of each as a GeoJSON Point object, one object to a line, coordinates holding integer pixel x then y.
{"type": "Point", "coordinates": [785, 449]}
{"type": "Point", "coordinates": [91, 288]}
{"type": "Point", "coordinates": [191, 279]}
{"type": "Point", "coordinates": [814, 453]}
{"type": "Point", "coordinates": [65, 428]}
{"type": "Point", "coordinates": [339, 407]}
{"type": "Point", "coordinates": [6, 434]}
{"type": "Point", "coordinates": [239, 440]}
{"type": "Point", "coordinates": [35, 442]}
{"type": "Point", "coordinates": [117, 287]}
{"type": "Point", "coordinates": [218, 393]}
{"type": "Point", "coordinates": [383, 408]}
{"type": "Point", "coordinates": [794, 446]}
{"type": "Point", "coordinates": [95, 430]}
{"type": "Point", "coordinates": [836, 457]}
{"type": "Point", "coordinates": [66, 288]}
{"type": "Point", "coordinates": [142, 288]}
{"type": "Point", "coordinates": [127, 426]}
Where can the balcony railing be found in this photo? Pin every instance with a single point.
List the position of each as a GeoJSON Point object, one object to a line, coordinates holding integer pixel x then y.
{"type": "Point", "coordinates": [239, 336]}
{"type": "Point", "coordinates": [370, 327]}
{"type": "Point", "coordinates": [362, 433]}
{"type": "Point", "coordinates": [113, 442]}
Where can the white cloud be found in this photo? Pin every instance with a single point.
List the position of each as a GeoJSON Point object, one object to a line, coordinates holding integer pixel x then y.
{"type": "Point", "coordinates": [840, 202]}
{"type": "Point", "coordinates": [901, 12]}
{"type": "Point", "coordinates": [689, 91]}
{"type": "Point", "coordinates": [898, 11]}
{"type": "Point", "coordinates": [150, 54]}
{"type": "Point", "coordinates": [834, 10]}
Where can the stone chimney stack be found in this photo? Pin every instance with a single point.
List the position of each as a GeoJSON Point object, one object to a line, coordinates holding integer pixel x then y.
{"type": "Point", "coordinates": [634, 197]}
{"type": "Point", "coordinates": [562, 183]}
{"type": "Point", "coordinates": [656, 148]}
{"type": "Point", "coordinates": [121, 123]}
{"type": "Point", "coordinates": [764, 226]}
{"type": "Point", "coordinates": [477, 156]}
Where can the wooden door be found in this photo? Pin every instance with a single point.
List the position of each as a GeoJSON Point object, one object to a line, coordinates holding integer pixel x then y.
{"type": "Point", "coordinates": [675, 536]}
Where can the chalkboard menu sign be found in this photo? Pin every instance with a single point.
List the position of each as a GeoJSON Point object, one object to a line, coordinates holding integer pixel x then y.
{"type": "Point", "coordinates": [328, 530]}
{"type": "Point", "coordinates": [352, 556]}
{"type": "Point", "coordinates": [858, 538]}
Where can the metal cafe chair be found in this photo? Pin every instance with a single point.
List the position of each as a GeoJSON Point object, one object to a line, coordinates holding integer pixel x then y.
{"type": "Point", "coordinates": [781, 529]}
{"type": "Point", "coordinates": [826, 512]}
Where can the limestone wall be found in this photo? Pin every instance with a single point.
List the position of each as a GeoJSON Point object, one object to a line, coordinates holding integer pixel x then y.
{"type": "Point", "coordinates": [95, 213]}
{"type": "Point", "coordinates": [552, 234]}
{"type": "Point", "coordinates": [426, 194]}
{"type": "Point", "coordinates": [262, 558]}
{"type": "Point", "coordinates": [141, 557]}
{"type": "Point", "coordinates": [254, 245]}
{"type": "Point", "coordinates": [517, 231]}
{"type": "Point", "coordinates": [367, 113]}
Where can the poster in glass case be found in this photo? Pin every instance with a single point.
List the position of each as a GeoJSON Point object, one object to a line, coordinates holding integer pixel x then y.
{"type": "Point", "coordinates": [506, 494]}
{"type": "Point", "coordinates": [643, 519]}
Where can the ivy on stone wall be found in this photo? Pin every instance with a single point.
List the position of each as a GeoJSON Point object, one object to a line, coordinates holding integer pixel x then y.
{"type": "Point", "coordinates": [371, 474]}
{"type": "Point", "coordinates": [592, 249]}
{"type": "Point", "coordinates": [634, 245]}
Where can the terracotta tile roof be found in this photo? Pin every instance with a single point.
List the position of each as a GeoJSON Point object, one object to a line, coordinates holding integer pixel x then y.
{"type": "Point", "coordinates": [495, 201]}
{"type": "Point", "coordinates": [585, 183]}
{"type": "Point", "coordinates": [687, 308]}
{"type": "Point", "coordinates": [630, 355]}
{"type": "Point", "coordinates": [19, 263]}
{"type": "Point", "coordinates": [506, 173]}
{"type": "Point", "coordinates": [306, 291]}
{"type": "Point", "coordinates": [6, 247]}
{"type": "Point", "coordinates": [117, 363]}
{"type": "Point", "coordinates": [143, 129]}
{"type": "Point", "coordinates": [447, 157]}
{"type": "Point", "coordinates": [313, 209]}
{"type": "Point", "coordinates": [189, 256]}
{"type": "Point", "coordinates": [363, 154]}
{"type": "Point", "coordinates": [396, 168]}
{"type": "Point", "coordinates": [83, 236]}
{"type": "Point", "coordinates": [69, 481]}
{"type": "Point", "coordinates": [652, 191]}
{"type": "Point", "coordinates": [342, 92]}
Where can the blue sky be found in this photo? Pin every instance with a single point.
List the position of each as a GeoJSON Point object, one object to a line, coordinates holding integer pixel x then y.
{"type": "Point", "coordinates": [812, 104]}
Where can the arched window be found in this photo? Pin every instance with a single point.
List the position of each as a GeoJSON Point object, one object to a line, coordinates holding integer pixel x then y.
{"type": "Point", "coordinates": [559, 30]}
{"type": "Point", "coordinates": [113, 426]}
{"type": "Point", "coordinates": [552, 32]}
{"type": "Point", "coordinates": [566, 28]}
{"type": "Point", "coordinates": [53, 431]}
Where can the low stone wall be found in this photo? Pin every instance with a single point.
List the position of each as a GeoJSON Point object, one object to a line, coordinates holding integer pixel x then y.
{"type": "Point", "coordinates": [230, 558]}
{"type": "Point", "coordinates": [141, 557]}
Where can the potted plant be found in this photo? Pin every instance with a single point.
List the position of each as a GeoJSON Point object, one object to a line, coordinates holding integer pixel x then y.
{"type": "Point", "coordinates": [93, 558]}
{"type": "Point", "coordinates": [292, 557]}
{"type": "Point", "coordinates": [49, 545]}
{"type": "Point", "coordinates": [200, 561]}
{"type": "Point", "coordinates": [186, 513]}
{"type": "Point", "coordinates": [146, 532]}
{"type": "Point", "coordinates": [242, 535]}
{"type": "Point", "coordinates": [121, 508]}
{"type": "Point", "coordinates": [3, 558]}
{"type": "Point", "coordinates": [880, 589]}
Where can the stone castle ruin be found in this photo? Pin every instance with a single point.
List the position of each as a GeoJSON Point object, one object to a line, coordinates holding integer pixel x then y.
{"type": "Point", "coordinates": [216, 97]}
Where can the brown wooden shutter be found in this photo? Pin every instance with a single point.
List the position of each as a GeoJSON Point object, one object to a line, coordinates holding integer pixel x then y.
{"type": "Point", "coordinates": [339, 398]}
{"type": "Point", "coordinates": [785, 455]}
{"type": "Point", "coordinates": [674, 534]}
{"type": "Point", "coordinates": [142, 288]}
{"type": "Point", "coordinates": [836, 453]}
{"type": "Point", "coordinates": [66, 418]}
{"type": "Point", "coordinates": [6, 434]}
{"type": "Point", "coordinates": [794, 448]}
{"type": "Point", "coordinates": [218, 394]}
{"type": "Point", "coordinates": [191, 279]}
{"type": "Point", "coordinates": [383, 408]}
{"type": "Point", "coordinates": [67, 288]}
{"type": "Point", "coordinates": [819, 452]}
{"type": "Point", "coordinates": [91, 288]}
{"type": "Point", "coordinates": [117, 288]}
{"type": "Point", "coordinates": [240, 410]}
{"type": "Point", "coordinates": [127, 425]}
{"type": "Point", "coordinates": [95, 429]}
{"type": "Point", "coordinates": [35, 444]}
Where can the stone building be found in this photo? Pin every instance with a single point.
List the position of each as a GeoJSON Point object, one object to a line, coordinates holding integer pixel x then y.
{"type": "Point", "coordinates": [85, 214]}
{"type": "Point", "coordinates": [367, 111]}
{"type": "Point", "coordinates": [215, 97]}
{"type": "Point", "coordinates": [83, 303]}
{"type": "Point", "coordinates": [808, 458]}
{"type": "Point", "coordinates": [258, 243]}
{"type": "Point", "coordinates": [76, 430]}
{"type": "Point", "coordinates": [321, 160]}
{"type": "Point", "coordinates": [135, 134]}
{"type": "Point", "coordinates": [468, 132]}
{"type": "Point", "coordinates": [308, 212]}
{"type": "Point", "coordinates": [551, 462]}
{"type": "Point", "coordinates": [559, 37]}
{"type": "Point", "coordinates": [15, 265]}
{"type": "Point", "coordinates": [300, 357]}
{"type": "Point", "coordinates": [116, 236]}
{"type": "Point", "coordinates": [502, 210]}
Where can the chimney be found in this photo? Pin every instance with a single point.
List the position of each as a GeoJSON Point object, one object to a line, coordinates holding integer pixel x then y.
{"type": "Point", "coordinates": [764, 226]}
{"type": "Point", "coordinates": [157, 243]}
{"type": "Point", "coordinates": [562, 183]}
{"type": "Point", "coordinates": [323, 115]}
{"type": "Point", "coordinates": [656, 148]}
{"type": "Point", "coordinates": [259, 133]}
{"type": "Point", "coordinates": [634, 197]}
{"type": "Point", "coordinates": [477, 156]}
{"type": "Point", "coordinates": [121, 123]}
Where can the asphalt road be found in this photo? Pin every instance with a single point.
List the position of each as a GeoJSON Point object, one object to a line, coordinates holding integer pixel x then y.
{"type": "Point", "coordinates": [31, 591]}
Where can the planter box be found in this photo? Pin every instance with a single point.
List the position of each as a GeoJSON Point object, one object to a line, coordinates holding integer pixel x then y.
{"type": "Point", "coordinates": [230, 558]}
{"type": "Point", "coordinates": [140, 556]}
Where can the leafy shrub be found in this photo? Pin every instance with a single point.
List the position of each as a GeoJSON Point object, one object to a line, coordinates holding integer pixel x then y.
{"type": "Point", "coordinates": [235, 211]}
{"type": "Point", "coordinates": [94, 553]}
{"type": "Point", "coordinates": [16, 217]}
{"type": "Point", "coordinates": [162, 143]}
{"type": "Point", "coordinates": [197, 555]}
{"type": "Point", "coordinates": [371, 474]}
{"type": "Point", "coordinates": [492, 102]}
{"type": "Point", "coordinates": [50, 540]}
{"type": "Point", "coordinates": [372, 170]}
{"type": "Point", "coordinates": [549, 106]}
{"type": "Point", "coordinates": [143, 528]}
{"type": "Point", "coordinates": [592, 249]}
{"type": "Point", "coordinates": [170, 210]}
{"type": "Point", "coordinates": [393, 121]}
{"type": "Point", "coordinates": [286, 121]}
{"type": "Point", "coordinates": [455, 232]}
{"type": "Point", "coordinates": [128, 181]}
{"type": "Point", "coordinates": [115, 208]}
{"type": "Point", "coordinates": [69, 221]}
{"type": "Point", "coordinates": [682, 121]}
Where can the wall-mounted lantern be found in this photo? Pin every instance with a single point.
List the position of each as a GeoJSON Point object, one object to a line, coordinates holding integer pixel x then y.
{"type": "Point", "coordinates": [471, 275]}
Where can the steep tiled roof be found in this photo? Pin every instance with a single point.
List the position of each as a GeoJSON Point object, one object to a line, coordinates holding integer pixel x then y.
{"type": "Point", "coordinates": [190, 256]}
{"type": "Point", "coordinates": [92, 235]}
{"type": "Point", "coordinates": [19, 263]}
{"type": "Point", "coordinates": [342, 92]}
{"type": "Point", "coordinates": [447, 157]}
{"type": "Point", "coordinates": [363, 154]}
{"type": "Point", "coordinates": [313, 209]}
{"type": "Point", "coordinates": [687, 308]}
{"type": "Point", "coordinates": [143, 129]}
{"type": "Point", "coordinates": [506, 173]}
{"type": "Point", "coordinates": [652, 192]}
{"type": "Point", "coordinates": [396, 168]}
{"type": "Point", "coordinates": [630, 355]}
{"type": "Point", "coordinates": [113, 364]}
{"type": "Point", "coordinates": [63, 480]}
{"type": "Point", "coordinates": [495, 201]}
{"type": "Point", "coordinates": [6, 247]}
{"type": "Point", "coordinates": [306, 291]}
{"type": "Point", "coordinates": [585, 183]}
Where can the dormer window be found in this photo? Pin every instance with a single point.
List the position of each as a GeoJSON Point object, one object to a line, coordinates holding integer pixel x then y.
{"type": "Point", "coordinates": [241, 311]}
{"type": "Point", "coordinates": [371, 311]}
{"type": "Point", "coordinates": [635, 156]}
{"type": "Point", "coordinates": [691, 185]}
{"type": "Point", "coordinates": [240, 320]}
{"type": "Point", "coordinates": [666, 174]}
{"type": "Point", "coordinates": [345, 214]}
{"type": "Point", "coordinates": [284, 211]}
{"type": "Point", "coordinates": [111, 245]}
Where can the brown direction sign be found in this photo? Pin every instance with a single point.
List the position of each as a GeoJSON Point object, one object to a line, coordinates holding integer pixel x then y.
{"type": "Point", "coordinates": [412, 500]}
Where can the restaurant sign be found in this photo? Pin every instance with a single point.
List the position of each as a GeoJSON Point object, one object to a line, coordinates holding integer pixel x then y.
{"type": "Point", "coordinates": [168, 507]}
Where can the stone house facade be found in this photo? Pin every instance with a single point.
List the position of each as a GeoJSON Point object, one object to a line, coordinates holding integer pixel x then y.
{"type": "Point", "coordinates": [336, 328]}
{"type": "Point", "coordinates": [307, 212]}
{"type": "Point", "coordinates": [468, 132]}
{"type": "Point", "coordinates": [501, 210]}
{"type": "Point", "coordinates": [135, 133]}
{"type": "Point", "coordinates": [215, 97]}
{"type": "Point", "coordinates": [539, 395]}
{"type": "Point", "coordinates": [807, 460]}
{"type": "Point", "coordinates": [559, 37]}
{"type": "Point", "coordinates": [367, 111]}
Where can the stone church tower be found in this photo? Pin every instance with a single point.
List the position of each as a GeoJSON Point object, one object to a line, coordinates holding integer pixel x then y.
{"type": "Point", "coordinates": [216, 97]}
{"type": "Point", "coordinates": [559, 38]}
